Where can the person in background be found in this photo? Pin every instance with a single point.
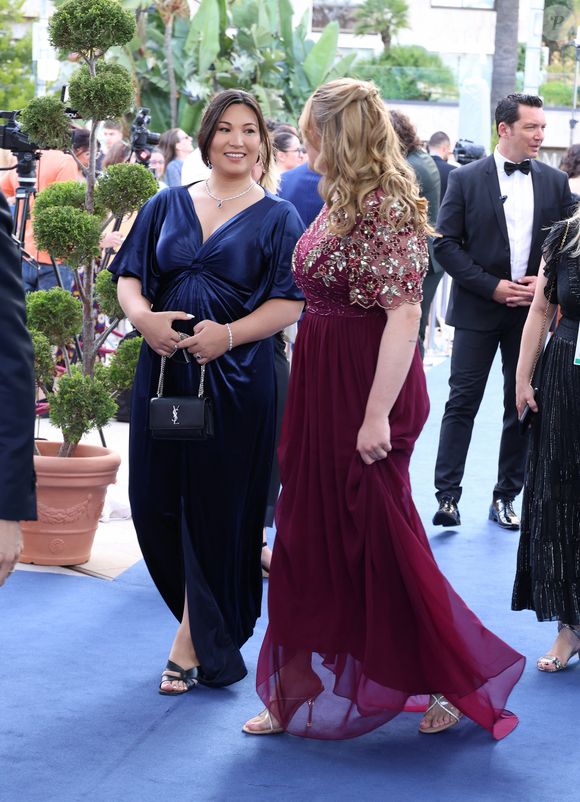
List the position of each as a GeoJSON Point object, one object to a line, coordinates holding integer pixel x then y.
{"type": "Point", "coordinates": [157, 166]}
{"type": "Point", "coordinates": [118, 153]}
{"type": "Point", "coordinates": [175, 145]}
{"type": "Point", "coordinates": [548, 565]}
{"type": "Point", "coordinates": [288, 150]}
{"type": "Point", "coordinates": [439, 147]}
{"type": "Point", "coordinates": [212, 261]}
{"type": "Point", "coordinates": [17, 481]}
{"type": "Point", "coordinates": [111, 133]}
{"type": "Point", "coordinates": [429, 182]}
{"type": "Point", "coordinates": [570, 164]}
{"type": "Point", "coordinates": [300, 187]}
{"type": "Point", "coordinates": [493, 222]}
{"type": "Point", "coordinates": [53, 167]}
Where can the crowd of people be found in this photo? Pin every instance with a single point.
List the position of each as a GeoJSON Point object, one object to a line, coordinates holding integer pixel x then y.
{"type": "Point", "coordinates": [346, 223]}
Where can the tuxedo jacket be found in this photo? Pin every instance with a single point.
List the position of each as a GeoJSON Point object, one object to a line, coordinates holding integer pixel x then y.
{"type": "Point", "coordinates": [17, 482]}
{"type": "Point", "coordinates": [474, 244]}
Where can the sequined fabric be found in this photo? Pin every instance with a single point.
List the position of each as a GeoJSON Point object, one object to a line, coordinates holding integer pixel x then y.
{"type": "Point", "coordinates": [548, 568]}
{"type": "Point", "coordinates": [372, 268]}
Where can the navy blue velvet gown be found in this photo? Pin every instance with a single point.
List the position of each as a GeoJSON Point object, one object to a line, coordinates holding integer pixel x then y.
{"type": "Point", "coordinates": [198, 508]}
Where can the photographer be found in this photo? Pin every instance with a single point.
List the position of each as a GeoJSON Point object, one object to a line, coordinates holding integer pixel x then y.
{"type": "Point", "coordinates": [53, 167]}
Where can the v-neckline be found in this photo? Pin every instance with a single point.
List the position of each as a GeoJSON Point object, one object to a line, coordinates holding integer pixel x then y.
{"type": "Point", "coordinates": [225, 223]}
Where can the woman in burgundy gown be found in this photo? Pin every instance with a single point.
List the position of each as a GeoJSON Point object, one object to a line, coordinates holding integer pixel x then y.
{"type": "Point", "coordinates": [362, 624]}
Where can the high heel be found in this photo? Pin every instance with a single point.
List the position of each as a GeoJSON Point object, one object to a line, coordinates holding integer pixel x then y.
{"type": "Point", "coordinates": [272, 725]}
{"type": "Point", "coordinates": [550, 663]}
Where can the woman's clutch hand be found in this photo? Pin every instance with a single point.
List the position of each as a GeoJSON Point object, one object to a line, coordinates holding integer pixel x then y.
{"type": "Point", "coordinates": [210, 340]}
{"type": "Point", "coordinates": [156, 328]}
{"type": "Point", "coordinates": [374, 439]}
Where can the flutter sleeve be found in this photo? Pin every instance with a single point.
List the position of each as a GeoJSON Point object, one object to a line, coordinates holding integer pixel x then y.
{"type": "Point", "coordinates": [387, 266]}
{"type": "Point", "coordinates": [137, 256]}
{"type": "Point", "coordinates": [281, 232]}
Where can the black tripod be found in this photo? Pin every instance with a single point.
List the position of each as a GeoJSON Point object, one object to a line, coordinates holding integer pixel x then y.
{"type": "Point", "coordinates": [26, 170]}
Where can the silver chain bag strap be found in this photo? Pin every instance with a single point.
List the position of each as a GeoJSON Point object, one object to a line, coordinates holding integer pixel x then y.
{"type": "Point", "coordinates": [181, 417]}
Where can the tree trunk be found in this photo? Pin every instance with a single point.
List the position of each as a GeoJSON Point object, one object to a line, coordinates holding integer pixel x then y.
{"type": "Point", "coordinates": [505, 57]}
{"type": "Point", "coordinates": [171, 71]}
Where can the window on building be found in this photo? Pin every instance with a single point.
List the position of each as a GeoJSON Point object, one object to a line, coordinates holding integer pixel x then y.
{"type": "Point", "coordinates": [325, 11]}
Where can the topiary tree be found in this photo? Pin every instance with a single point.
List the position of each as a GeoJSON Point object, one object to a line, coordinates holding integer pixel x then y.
{"type": "Point", "coordinates": [68, 221]}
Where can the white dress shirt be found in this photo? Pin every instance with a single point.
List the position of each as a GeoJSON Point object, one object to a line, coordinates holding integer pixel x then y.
{"type": "Point", "coordinates": [518, 206]}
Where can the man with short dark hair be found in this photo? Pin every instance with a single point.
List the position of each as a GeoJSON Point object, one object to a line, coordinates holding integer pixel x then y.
{"type": "Point", "coordinates": [439, 147]}
{"type": "Point", "coordinates": [17, 484]}
{"type": "Point", "coordinates": [493, 222]}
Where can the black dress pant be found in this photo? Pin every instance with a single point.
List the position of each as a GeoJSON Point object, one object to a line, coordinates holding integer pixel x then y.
{"type": "Point", "coordinates": [471, 361]}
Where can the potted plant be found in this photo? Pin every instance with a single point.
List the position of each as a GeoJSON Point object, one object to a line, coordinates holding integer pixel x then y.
{"type": "Point", "coordinates": [68, 220]}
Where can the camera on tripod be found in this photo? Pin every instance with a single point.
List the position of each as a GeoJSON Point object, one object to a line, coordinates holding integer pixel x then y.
{"type": "Point", "coordinates": [142, 139]}
{"type": "Point", "coordinates": [466, 151]}
{"type": "Point", "coordinates": [14, 139]}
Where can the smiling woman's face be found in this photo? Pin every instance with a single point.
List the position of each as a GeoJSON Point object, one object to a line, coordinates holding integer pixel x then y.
{"type": "Point", "coordinates": [235, 146]}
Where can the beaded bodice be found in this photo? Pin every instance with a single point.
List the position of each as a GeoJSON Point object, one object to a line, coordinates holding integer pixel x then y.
{"type": "Point", "coordinates": [371, 268]}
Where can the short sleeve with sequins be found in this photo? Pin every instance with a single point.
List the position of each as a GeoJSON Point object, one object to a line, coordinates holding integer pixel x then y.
{"type": "Point", "coordinates": [386, 266]}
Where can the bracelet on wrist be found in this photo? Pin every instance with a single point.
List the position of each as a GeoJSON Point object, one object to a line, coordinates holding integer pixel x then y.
{"type": "Point", "coordinates": [230, 337]}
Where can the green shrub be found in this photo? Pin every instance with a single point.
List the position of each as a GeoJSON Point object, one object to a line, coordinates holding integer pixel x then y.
{"type": "Point", "coordinates": [90, 26]}
{"type": "Point", "coordinates": [71, 235]}
{"type": "Point", "coordinates": [124, 188]}
{"type": "Point", "coordinates": [105, 95]}
{"type": "Point", "coordinates": [54, 313]}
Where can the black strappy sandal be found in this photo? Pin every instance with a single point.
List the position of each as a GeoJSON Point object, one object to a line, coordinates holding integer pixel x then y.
{"type": "Point", "coordinates": [189, 677]}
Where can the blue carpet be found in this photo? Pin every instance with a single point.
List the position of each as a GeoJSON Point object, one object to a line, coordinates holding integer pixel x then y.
{"type": "Point", "coordinates": [80, 718]}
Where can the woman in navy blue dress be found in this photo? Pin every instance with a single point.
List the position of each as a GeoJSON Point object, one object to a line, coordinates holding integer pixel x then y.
{"type": "Point", "coordinates": [212, 260]}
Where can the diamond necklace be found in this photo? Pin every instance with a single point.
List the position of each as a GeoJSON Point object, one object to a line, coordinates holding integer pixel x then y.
{"type": "Point", "coordinates": [221, 201]}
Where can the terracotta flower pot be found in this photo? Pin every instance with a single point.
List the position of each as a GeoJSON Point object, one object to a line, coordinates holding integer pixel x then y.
{"type": "Point", "coordinates": [70, 496]}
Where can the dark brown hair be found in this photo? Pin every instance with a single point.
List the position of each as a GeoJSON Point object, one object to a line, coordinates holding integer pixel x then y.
{"type": "Point", "coordinates": [508, 109]}
{"type": "Point", "coordinates": [167, 142]}
{"type": "Point", "coordinates": [405, 131]}
{"type": "Point", "coordinates": [117, 154]}
{"type": "Point", "coordinates": [213, 114]}
{"type": "Point", "coordinates": [570, 163]}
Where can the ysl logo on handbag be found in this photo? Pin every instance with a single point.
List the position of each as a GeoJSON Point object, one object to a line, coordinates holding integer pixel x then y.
{"type": "Point", "coordinates": [175, 422]}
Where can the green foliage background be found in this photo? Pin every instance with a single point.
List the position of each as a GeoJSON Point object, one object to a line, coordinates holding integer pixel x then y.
{"type": "Point", "coordinates": [16, 84]}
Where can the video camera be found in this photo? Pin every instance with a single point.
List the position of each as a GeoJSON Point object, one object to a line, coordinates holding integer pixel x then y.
{"type": "Point", "coordinates": [466, 151]}
{"type": "Point", "coordinates": [142, 139]}
{"type": "Point", "coordinates": [14, 139]}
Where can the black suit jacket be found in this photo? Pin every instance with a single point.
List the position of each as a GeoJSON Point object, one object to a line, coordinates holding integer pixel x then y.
{"type": "Point", "coordinates": [444, 169]}
{"type": "Point", "coordinates": [17, 483]}
{"type": "Point", "coordinates": [474, 246]}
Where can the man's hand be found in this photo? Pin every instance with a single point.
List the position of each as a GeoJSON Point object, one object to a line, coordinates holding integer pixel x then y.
{"type": "Point", "coordinates": [515, 293]}
{"type": "Point", "coordinates": [10, 547]}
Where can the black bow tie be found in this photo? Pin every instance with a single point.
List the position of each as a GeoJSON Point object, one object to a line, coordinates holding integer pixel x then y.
{"type": "Point", "coordinates": [524, 167]}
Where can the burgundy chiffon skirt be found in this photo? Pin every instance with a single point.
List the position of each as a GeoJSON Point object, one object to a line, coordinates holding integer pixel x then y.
{"type": "Point", "coordinates": [362, 623]}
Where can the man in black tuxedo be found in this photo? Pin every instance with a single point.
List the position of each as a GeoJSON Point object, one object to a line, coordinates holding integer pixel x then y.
{"type": "Point", "coordinates": [492, 223]}
{"type": "Point", "coordinates": [439, 147]}
{"type": "Point", "coordinates": [17, 494]}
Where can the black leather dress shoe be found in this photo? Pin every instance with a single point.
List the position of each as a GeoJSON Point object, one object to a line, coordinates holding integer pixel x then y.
{"type": "Point", "coordinates": [502, 512]}
{"type": "Point", "coordinates": [447, 514]}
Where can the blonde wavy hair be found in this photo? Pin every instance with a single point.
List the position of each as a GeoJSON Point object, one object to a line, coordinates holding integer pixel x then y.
{"type": "Point", "coordinates": [347, 122]}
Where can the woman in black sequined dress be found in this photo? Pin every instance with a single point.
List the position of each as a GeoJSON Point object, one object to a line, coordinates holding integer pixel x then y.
{"type": "Point", "coordinates": [548, 567]}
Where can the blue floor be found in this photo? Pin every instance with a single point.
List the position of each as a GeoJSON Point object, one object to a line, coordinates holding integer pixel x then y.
{"type": "Point", "coordinates": [80, 718]}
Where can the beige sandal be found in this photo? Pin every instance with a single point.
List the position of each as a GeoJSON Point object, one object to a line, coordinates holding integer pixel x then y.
{"type": "Point", "coordinates": [263, 718]}
{"type": "Point", "coordinates": [440, 701]}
